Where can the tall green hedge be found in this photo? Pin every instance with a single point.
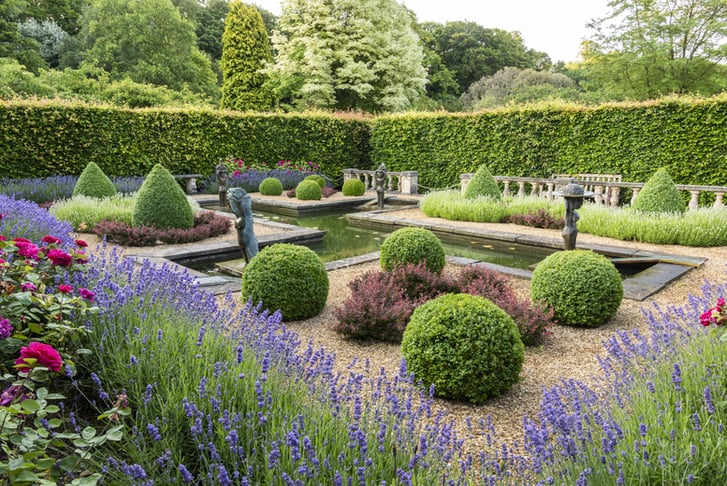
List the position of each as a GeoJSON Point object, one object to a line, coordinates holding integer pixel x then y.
{"type": "Point", "coordinates": [50, 138]}
{"type": "Point", "coordinates": [685, 136]}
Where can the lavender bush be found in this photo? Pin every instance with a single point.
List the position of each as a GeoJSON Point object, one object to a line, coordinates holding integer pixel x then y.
{"type": "Point", "coordinates": [26, 219]}
{"type": "Point", "coordinates": [43, 190]}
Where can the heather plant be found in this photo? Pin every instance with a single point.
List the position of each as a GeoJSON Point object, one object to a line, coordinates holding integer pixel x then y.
{"type": "Point", "coordinates": [287, 277]}
{"type": "Point", "coordinates": [20, 218]}
{"type": "Point", "coordinates": [465, 346]}
{"type": "Point", "coordinates": [539, 219]}
{"type": "Point", "coordinates": [482, 184]}
{"type": "Point", "coordinates": [161, 203]}
{"type": "Point", "coordinates": [703, 227]}
{"type": "Point", "coordinates": [582, 287]}
{"type": "Point", "coordinates": [94, 183]}
{"type": "Point", "coordinates": [308, 190]}
{"type": "Point", "coordinates": [328, 191]}
{"type": "Point", "coordinates": [412, 245]}
{"type": "Point", "coordinates": [84, 212]}
{"type": "Point", "coordinates": [207, 224]}
{"type": "Point", "coordinates": [659, 195]}
{"type": "Point", "coordinates": [353, 187]}
{"type": "Point", "coordinates": [656, 417]}
{"type": "Point", "coordinates": [270, 186]}
{"type": "Point", "coordinates": [222, 395]}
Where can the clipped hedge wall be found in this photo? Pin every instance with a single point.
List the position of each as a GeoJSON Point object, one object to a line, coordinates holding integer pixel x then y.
{"type": "Point", "coordinates": [54, 138]}
{"type": "Point", "coordinates": [685, 136]}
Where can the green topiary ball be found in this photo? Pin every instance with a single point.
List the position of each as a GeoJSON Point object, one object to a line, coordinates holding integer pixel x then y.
{"type": "Point", "coordinates": [659, 195]}
{"type": "Point", "coordinates": [270, 186]}
{"type": "Point", "coordinates": [464, 345]}
{"type": "Point", "coordinates": [482, 184]}
{"type": "Point", "coordinates": [94, 183]}
{"type": "Point", "coordinates": [412, 245]}
{"type": "Point", "coordinates": [308, 191]}
{"type": "Point", "coordinates": [353, 187]}
{"type": "Point", "coordinates": [161, 203]}
{"type": "Point", "coordinates": [288, 277]}
{"type": "Point", "coordinates": [583, 288]}
{"type": "Point", "coordinates": [317, 179]}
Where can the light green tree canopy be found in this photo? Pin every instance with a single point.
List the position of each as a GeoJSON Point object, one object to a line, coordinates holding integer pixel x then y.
{"type": "Point", "coordinates": [348, 55]}
{"type": "Point", "coordinates": [647, 48]}
{"type": "Point", "coordinates": [245, 51]}
{"type": "Point", "coordinates": [148, 41]}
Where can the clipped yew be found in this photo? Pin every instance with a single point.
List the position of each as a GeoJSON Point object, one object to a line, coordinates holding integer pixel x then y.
{"type": "Point", "coordinates": [482, 184]}
{"type": "Point", "coordinates": [93, 182]}
{"type": "Point", "coordinates": [659, 195]}
{"type": "Point", "coordinates": [161, 202]}
{"type": "Point", "coordinates": [353, 187]}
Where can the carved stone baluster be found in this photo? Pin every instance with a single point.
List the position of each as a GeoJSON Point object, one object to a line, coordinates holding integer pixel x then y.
{"type": "Point", "coordinates": [634, 194]}
{"type": "Point", "coordinates": [598, 195]}
{"type": "Point", "coordinates": [506, 189]}
{"type": "Point", "coordinates": [521, 188]}
{"type": "Point", "coordinates": [614, 196]}
{"type": "Point", "coordinates": [718, 199]}
{"type": "Point", "coordinates": [694, 200]}
{"type": "Point", "coordinates": [549, 195]}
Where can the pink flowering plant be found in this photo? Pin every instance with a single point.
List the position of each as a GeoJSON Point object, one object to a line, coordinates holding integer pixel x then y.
{"type": "Point", "coordinates": [716, 316]}
{"type": "Point", "coordinates": [38, 302]}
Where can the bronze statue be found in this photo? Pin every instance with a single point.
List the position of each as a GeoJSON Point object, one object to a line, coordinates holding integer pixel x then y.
{"type": "Point", "coordinates": [221, 173]}
{"type": "Point", "coordinates": [241, 204]}
{"type": "Point", "coordinates": [380, 179]}
{"type": "Point", "coordinates": [573, 195]}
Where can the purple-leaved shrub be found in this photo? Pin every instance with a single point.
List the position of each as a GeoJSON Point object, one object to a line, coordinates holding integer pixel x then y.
{"type": "Point", "coordinates": [207, 224]}
{"type": "Point", "coordinates": [539, 219]}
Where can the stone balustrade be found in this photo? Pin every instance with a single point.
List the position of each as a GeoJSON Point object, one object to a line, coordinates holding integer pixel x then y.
{"type": "Point", "coordinates": [405, 182]}
{"type": "Point", "coordinates": [604, 192]}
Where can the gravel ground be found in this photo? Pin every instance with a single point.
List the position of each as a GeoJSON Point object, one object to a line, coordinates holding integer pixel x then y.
{"type": "Point", "coordinates": [568, 353]}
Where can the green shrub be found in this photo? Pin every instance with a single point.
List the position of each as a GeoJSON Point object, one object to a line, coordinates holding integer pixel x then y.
{"type": "Point", "coordinates": [288, 277]}
{"type": "Point", "coordinates": [161, 203]}
{"type": "Point", "coordinates": [659, 195]}
{"type": "Point", "coordinates": [353, 187]}
{"type": "Point", "coordinates": [308, 191]}
{"type": "Point", "coordinates": [318, 180]}
{"type": "Point", "coordinates": [94, 183]}
{"type": "Point", "coordinates": [482, 184]}
{"type": "Point", "coordinates": [464, 345]}
{"type": "Point", "coordinates": [270, 186]}
{"type": "Point", "coordinates": [583, 288]}
{"type": "Point", "coordinates": [412, 245]}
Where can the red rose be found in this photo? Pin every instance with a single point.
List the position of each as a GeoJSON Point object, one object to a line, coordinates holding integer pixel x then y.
{"type": "Point", "coordinates": [65, 289]}
{"type": "Point", "coordinates": [44, 355]}
{"type": "Point", "coordinates": [51, 240]}
{"type": "Point", "coordinates": [81, 244]}
{"type": "Point", "coordinates": [59, 257]}
{"type": "Point", "coordinates": [27, 249]}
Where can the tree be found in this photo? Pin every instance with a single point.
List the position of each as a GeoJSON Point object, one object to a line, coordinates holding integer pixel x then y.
{"type": "Point", "coordinates": [472, 51]}
{"type": "Point", "coordinates": [211, 26]}
{"type": "Point", "coordinates": [49, 35]}
{"type": "Point", "coordinates": [13, 44]}
{"type": "Point", "coordinates": [348, 55]}
{"type": "Point", "coordinates": [148, 42]}
{"type": "Point", "coordinates": [647, 48]}
{"type": "Point", "coordinates": [245, 51]}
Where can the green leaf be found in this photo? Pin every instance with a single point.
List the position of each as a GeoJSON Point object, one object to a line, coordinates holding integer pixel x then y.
{"type": "Point", "coordinates": [30, 405]}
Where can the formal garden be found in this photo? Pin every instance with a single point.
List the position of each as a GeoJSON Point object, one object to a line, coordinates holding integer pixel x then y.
{"type": "Point", "coordinates": [122, 371]}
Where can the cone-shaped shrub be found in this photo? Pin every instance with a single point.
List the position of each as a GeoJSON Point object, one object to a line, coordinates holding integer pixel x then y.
{"type": "Point", "coordinates": [659, 195]}
{"type": "Point", "coordinates": [482, 184]}
{"type": "Point", "coordinates": [94, 183]}
{"type": "Point", "coordinates": [288, 277]}
{"type": "Point", "coordinates": [583, 288]}
{"type": "Point", "coordinates": [412, 245]}
{"type": "Point", "coordinates": [161, 203]}
{"type": "Point", "coordinates": [465, 346]}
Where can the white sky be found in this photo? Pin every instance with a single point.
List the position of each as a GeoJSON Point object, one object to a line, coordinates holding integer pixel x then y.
{"type": "Point", "coordinates": [556, 27]}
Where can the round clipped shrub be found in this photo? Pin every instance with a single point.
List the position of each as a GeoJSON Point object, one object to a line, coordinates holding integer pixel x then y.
{"type": "Point", "coordinates": [412, 245]}
{"type": "Point", "coordinates": [353, 187]}
{"type": "Point", "coordinates": [317, 179]}
{"type": "Point", "coordinates": [161, 203]}
{"type": "Point", "coordinates": [583, 288]}
{"type": "Point", "coordinates": [308, 191]}
{"type": "Point", "coordinates": [465, 346]}
{"type": "Point", "coordinates": [270, 186]}
{"type": "Point", "coordinates": [94, 183]}
{"type": "Point", "coordinates": [659, 195]}
{"type": "Point", "coordinates": [482, 184]}
{"type": "Point", "coordinates": [288, 277]}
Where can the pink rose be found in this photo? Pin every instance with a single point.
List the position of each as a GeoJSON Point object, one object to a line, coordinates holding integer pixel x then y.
{"type": "Point", "coordinates": [27, 249]}
{"type": "Point", "coordinates": [65, 289]}
{"type": "Point", "coordinates": [59, 257]}
{"type": "Point", "coordinates": [86, 294]}
{"type": "Point", "coordinates": [44, 355]}
{"type": "Point", "coordinates": [51, 240]}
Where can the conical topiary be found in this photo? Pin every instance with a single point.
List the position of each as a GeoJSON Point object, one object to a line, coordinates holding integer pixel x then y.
{"type": "Point", "coordinates": [482, 184]}
{"type": "Point", "coordinates": [94, 183]}
{"type": "Point", "coordinates": [659, 195]}
{"type": "Point", "coordinates": [161, 203]}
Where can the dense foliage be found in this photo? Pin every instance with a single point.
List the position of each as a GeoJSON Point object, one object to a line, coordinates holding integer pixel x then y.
{"type": "Point", "coordinates": [94, 183]}
{"type": "Point", "coordinates": [465, 346]}
{"type": "Point", "coordinates": [482, 184]}
{"type": "Point", "coordinates": [271, 186]}
{"type": "Point", "coordinates": [659, 195]}
{"type": "Point", "coordinates": [353, 187]}
{"type": "Point", "coordinates": [412, 246]}
{"type": "Point", "coordinates": [308, 190]}
{"type": "Point", "coordinates": [161, 203]}
{"type": "Point", "coordinates": [287, 277]}
{"type": "Point", "coordinates": [582, 287]}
